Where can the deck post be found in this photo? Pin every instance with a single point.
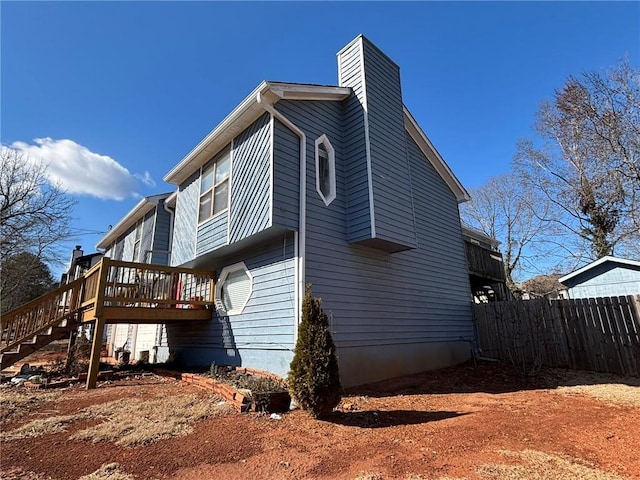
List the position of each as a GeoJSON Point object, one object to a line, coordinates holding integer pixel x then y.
{"type": "Point", "coordinates": [96, 346]}
{"type": "Point", "coordinates": [98, 329]}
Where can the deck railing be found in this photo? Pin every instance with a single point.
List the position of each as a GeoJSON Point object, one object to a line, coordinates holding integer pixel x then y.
{"type": "Point", "coordinates": [38, 315]}
{"type": "Point", "coordinates": [109, 283]}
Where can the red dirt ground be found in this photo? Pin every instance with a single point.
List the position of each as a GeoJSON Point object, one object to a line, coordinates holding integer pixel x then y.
{"type": "Point", "coordinates": [433, 425]}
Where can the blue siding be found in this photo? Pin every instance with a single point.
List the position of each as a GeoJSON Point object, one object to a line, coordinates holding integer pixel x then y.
{"type": "Point", "coordinates": [608, 279]}
{"type": "Point", "coordinates": [186, 220]}
{"type": "Point", "coordinates": [377, 92]}
{"type": "Point", "coordinates": [212, 234]}
{"type": "Point", "coordinates": [262, 335]}
{"type": "Point", "coordinates": [353, 125]}
{"type": "Point", "coordinates": [162, 235]}
{"type": "Point", "coordinates": [286, 177]}
{"type": "Point", "coordinates": [250, 183]}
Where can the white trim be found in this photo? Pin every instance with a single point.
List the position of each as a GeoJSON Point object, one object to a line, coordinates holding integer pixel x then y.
{"type": "Point", "coordinates": [172, 220]}
{"type": "Point", "coordinates": [302, 215]}
{"type": "Point", "coordinates": [366, 138]}
{"type": "Point", "coordinates": [296, 292]}
{"type": "Point", "coordinates": [143, 207]}
{"type": "Point", "coordinates": [215, 161]}
{"type": "Point", "coordinates": [153, 235]}
{"type": "Point", "coordinates": [224, 273]}
{"type": "Point", "coordinates": [231, 159]}
{"type": "Point", "coordinates": [600, 261]}
{"type": "Point", "coordinates": [244, 115]}
{"type": "Point", "coordinates": [331, 154]}
{"type": "Point", "coordinates": [271, 168]}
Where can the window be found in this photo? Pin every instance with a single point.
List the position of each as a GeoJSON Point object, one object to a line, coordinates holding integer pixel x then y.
{"type": "Point", "coordinates": [234, 288]}
{"type": "Point", "coordinates": [136, 242]}
{"type": "Point", "coordinates": [214, 185]}
{"type": "Point", "coordinates": [325, 170]}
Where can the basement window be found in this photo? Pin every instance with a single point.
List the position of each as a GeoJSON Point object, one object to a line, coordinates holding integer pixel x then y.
{"type": "Point", "coordinates": [325, 170]}
{"type": "Point", "coordinates": [234, 288]}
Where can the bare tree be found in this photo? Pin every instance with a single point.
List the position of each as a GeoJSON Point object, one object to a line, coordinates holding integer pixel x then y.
{"type": "Point", "coordinates": [506, 211]}
{"type": "Point", "coordinates": [34, 215]}
{"type": "Point", "coordinates": [586, 160]}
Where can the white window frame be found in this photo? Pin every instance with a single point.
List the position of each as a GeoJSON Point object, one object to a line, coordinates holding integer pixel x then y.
{"type": "Point", "coordinates": [331, 154]}
{"type": "Point", "coordinates": [221, 279]}
{"type": "Point", "coordinates": [137, 238]}
{"type": "Point", "coordinates": [222, 154]}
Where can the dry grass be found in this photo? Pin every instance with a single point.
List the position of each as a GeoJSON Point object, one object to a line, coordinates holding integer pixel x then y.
{"type": "Point", "coordinates": [135, 422]}
{"type": "Point", "coordinates": [42, 426]}
{"type": "Point", "coordinates": [16, 401]}
{"type": "Point", "coordinates": [542, 466]}
{"type": "Point", "coordinates": [108, 471]}
{"type": "Point", "coordinates": [129, 422]}
{"type": "Point", "coordinates": [610, 389]}
{"type": "Point", "coordinates": [16, 473]}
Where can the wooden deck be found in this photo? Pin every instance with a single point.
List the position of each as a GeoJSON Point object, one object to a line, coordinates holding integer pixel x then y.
{"type": "Point", "coordinates": [112, 292]}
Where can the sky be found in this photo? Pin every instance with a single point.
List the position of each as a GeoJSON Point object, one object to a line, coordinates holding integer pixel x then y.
{"type": "Point", "coordinates": [112, 95]}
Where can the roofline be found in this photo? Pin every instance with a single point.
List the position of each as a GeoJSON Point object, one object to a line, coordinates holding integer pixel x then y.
{"type": "Point", "coordinates": [143, 207]}
{"type": "Point", "coordinates": [248, 111]}
{"type": "Point", "coordinates": [600, 261]}
{"type": "Point", "coordinates": [434, 157]}
{"type": "Point", "coordinates": [478, 234]}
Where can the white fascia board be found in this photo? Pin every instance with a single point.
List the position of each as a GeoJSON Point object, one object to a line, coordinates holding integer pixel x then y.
{"type": "Point", "coordinates": [170, 201]}
{"type": "Point", "coordinates": [138, 212]}
{"type": "Point", "coordinates": [479, 235]}
{"type": "Point", "coordinates": [247, 112]}
{"type": "Point", "coordinates": [600, 261]}
{"type": "Point", "coordinates": [434, 157]}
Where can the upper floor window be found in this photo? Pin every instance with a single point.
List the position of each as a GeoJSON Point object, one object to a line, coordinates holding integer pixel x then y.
{"type": "Point", "coordinates": [325, 170]}
{"type": "Point", "coordinates": [214, 185]}
{"type": "Point", "coordinates": [136, 242]}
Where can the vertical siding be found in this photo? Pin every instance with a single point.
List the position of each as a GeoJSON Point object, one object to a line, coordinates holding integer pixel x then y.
{"type": "Point", "coordinates": [262, 335]}
{"type": "Point", "coordinates": [355, 153]}
{"type": "Point", "coordinates": [161, 237]}
{"type": "Point", "coordinates": [186, 220]}
{"type": "Point", "coordinates": [128, 241]}
{"type": "Point", "coordinates": [286, 177]}
{"type": "Point", "coordinates": [249, 210]}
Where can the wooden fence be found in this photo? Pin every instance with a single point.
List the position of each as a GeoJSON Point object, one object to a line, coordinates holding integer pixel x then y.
{"type": "Point", "coordinates": [596, 334]}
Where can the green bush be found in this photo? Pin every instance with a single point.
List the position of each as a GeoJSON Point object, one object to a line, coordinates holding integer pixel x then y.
{"type": "Point", "coordinates": [314, 379]}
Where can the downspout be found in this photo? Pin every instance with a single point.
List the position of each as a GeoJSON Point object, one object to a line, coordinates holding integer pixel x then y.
{"type": "Point", "coordinates": [301, 237]}
{"type": "Point", "coordinates": [171, 220]}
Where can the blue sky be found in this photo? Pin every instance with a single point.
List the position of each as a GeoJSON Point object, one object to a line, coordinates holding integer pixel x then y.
{"type": "Point", "coordinates": [114, 94]}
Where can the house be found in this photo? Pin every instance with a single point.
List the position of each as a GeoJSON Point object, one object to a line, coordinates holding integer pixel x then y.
{"type": "Point", "coordinates": [334, 186]}
{"type": "Point", "coordinates": [606, 277]}
{"type": "Point", "coordinates": [143, 236]}
{"type": "Point", "coordinates": [486, 268]}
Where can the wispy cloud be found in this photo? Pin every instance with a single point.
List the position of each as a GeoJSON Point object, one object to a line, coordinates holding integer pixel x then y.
{"type": "Point", "coordinates": [145, 178]}
{"type": "Point", "coordinates": [80, 171]}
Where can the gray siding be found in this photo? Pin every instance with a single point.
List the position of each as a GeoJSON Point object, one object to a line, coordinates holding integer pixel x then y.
{"type": "Point", "coordinates": [377, 92]}
{"type": "Point", "coordinates": [250, 183]}
{"type": "Point", "coordinates": [162, 235]}
{"type": "Point", "coordinates": [146, 238]}
{"type": "Point", "coordinates": [606, 280]}
{"type": "Point", "coordinates": [186, 220]}
{"type": "Point", "coordinates": [355, 153]}
{"type": "Point", "coordinates": [262, 335]}
{"type": "Point", "coordinates": [286, 177]}
{"type": "Point", "coordinates": [212, 234]}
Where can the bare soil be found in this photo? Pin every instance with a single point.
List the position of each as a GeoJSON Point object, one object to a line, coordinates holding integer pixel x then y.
{"type": "Point", "coordinates": [464, 422]}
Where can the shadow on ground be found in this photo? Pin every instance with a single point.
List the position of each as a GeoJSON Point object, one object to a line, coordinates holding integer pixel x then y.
{"type": "Point", "coordinates": [388, 418]}
{"type": "Point", "coordinates": [492, 378]}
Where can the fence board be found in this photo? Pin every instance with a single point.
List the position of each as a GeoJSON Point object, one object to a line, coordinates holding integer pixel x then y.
{"type": "Point", "coordinates": [598, 334]}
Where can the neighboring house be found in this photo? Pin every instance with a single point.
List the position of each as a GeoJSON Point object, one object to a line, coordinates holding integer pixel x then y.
{"type": "Point", "coordinates": [486, 268]}
{"type": "Point", "coordinates": [606, 277]}
{"type": "Point", "coordinates": [144, 236]}
{"type": "Point", "coordinates": [333, 186]}
{"type": "Point", "coordinates": [79, 264]}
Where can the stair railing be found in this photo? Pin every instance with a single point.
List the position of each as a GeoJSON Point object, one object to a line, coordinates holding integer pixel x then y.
{"type": "Point", "coordinates": [38, 315]}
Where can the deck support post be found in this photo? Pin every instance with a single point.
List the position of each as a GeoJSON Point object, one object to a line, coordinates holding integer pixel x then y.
{"type": "Point", "coordinates": [96, 345]}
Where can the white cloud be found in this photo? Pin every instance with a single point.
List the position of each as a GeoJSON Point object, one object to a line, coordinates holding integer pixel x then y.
{"type": "Point", "coordinates": [80, 171]}
{"type": "Point", "coordinates": [145, 178]}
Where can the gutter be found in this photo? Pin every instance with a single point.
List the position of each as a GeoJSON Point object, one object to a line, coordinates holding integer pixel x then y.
{"type": "Point", "coordinates": [301, 235]}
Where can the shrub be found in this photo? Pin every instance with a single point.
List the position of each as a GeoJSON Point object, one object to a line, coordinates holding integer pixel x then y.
{"type": "Point", "coordinates": [314, 379]}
